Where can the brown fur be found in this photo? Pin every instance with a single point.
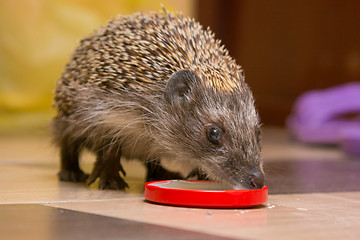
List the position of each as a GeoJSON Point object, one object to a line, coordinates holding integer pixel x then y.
{"type": "Point", "coordinates": [111, 100]}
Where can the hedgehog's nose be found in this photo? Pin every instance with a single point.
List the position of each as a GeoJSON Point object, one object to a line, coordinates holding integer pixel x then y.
{"type": "Point", "coordinates": [256, 180]}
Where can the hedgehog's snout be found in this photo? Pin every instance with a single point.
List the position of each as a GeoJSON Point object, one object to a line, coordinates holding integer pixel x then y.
{"type": "Point", "coordinates": [256, 180]}
{"type": "Point", "coordinates": [250, 179]}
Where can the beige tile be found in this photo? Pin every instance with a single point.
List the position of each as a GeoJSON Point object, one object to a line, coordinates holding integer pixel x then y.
{"type": "Point", "coordinates": [38, 150]}
{"type": "Point", "coordinates": [39, 184]}
{"type": "Point", "coordinates": [29, 148]}
{"type": "Point", "coordinates": [278, 145]}
{"type": "Point", "coordinates": [28, 167]}
{"type": "Point", "coordinates": [293, 216]}
{"type": "Point", "coordinates": [28, 174]}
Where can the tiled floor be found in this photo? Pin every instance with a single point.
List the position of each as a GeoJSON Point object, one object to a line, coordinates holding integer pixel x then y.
{"type": "Point", "coordinates": [314, 194]}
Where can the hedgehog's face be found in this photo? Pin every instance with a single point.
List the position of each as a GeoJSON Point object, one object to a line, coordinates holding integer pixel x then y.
{"type": "Point", "coordinates": [218, 130]}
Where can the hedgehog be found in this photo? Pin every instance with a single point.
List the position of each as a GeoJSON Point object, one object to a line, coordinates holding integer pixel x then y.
{"type": "Point", "coordinates": [157, 87]}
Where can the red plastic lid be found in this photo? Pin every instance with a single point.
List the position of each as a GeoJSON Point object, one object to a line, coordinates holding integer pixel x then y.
{"type": "Point", "coordinates": [206, 194]}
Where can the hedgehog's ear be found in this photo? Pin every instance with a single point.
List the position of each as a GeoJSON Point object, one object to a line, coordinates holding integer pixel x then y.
{"type": "Point", "coordinates": [178, 85]}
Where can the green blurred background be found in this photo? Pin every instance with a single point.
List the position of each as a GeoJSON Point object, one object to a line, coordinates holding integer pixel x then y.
{"type": "Point", "coordinates": [36, 40]}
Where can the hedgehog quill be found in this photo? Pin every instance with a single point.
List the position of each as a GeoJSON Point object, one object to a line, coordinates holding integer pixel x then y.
{"type": "Point", "coordinates": [156, 87]}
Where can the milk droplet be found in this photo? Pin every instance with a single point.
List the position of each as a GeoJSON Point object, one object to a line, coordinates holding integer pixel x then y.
{"type": "Point", "coordinates": [302, 209]}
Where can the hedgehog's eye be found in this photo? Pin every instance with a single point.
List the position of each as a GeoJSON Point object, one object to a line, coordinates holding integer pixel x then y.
{"type": "Point", "coordinates": [214, 135]}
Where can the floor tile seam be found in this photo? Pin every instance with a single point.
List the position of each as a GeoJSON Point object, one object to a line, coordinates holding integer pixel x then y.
{"type": "Point", "coordinates": [33, 164]}
{"type": "Point", "coordinates": [311, 193]}
{"type": "Point", "coordinates": [66, 201]}
{"type": "Point", "coordinates": [150, 221]}
{"type": "Point", "coordinates": [63, 211]}
{"type": "Point", "coordinates": [335, 195]}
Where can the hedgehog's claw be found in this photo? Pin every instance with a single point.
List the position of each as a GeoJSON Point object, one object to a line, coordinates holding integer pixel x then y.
{"type": "Point", "coordinates": [73, 176]}
{"type": "Point", "coordinates": [112, 181]}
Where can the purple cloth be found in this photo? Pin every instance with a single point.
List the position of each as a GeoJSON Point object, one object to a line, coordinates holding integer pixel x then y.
{"type": "Point", "coordinates": [318, 117]}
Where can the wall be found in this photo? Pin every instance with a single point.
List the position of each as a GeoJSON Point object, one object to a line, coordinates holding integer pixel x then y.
{"type": "Point", "coordinates": [288, 47]}
{"type": "Point", "coordinates": [37, 38]}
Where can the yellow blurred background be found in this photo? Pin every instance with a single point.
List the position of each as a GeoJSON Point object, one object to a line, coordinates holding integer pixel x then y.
{"type": "Point", "coordinates": [36, 40]}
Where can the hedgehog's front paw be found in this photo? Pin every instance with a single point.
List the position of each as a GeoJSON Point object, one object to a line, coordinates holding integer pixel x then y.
{"type": "Point", "coordinates": [108, 175]}
{"type": "Point", "coordinates": [72, 176]}
{"type": "Point", "coordinates": [112, 181]}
